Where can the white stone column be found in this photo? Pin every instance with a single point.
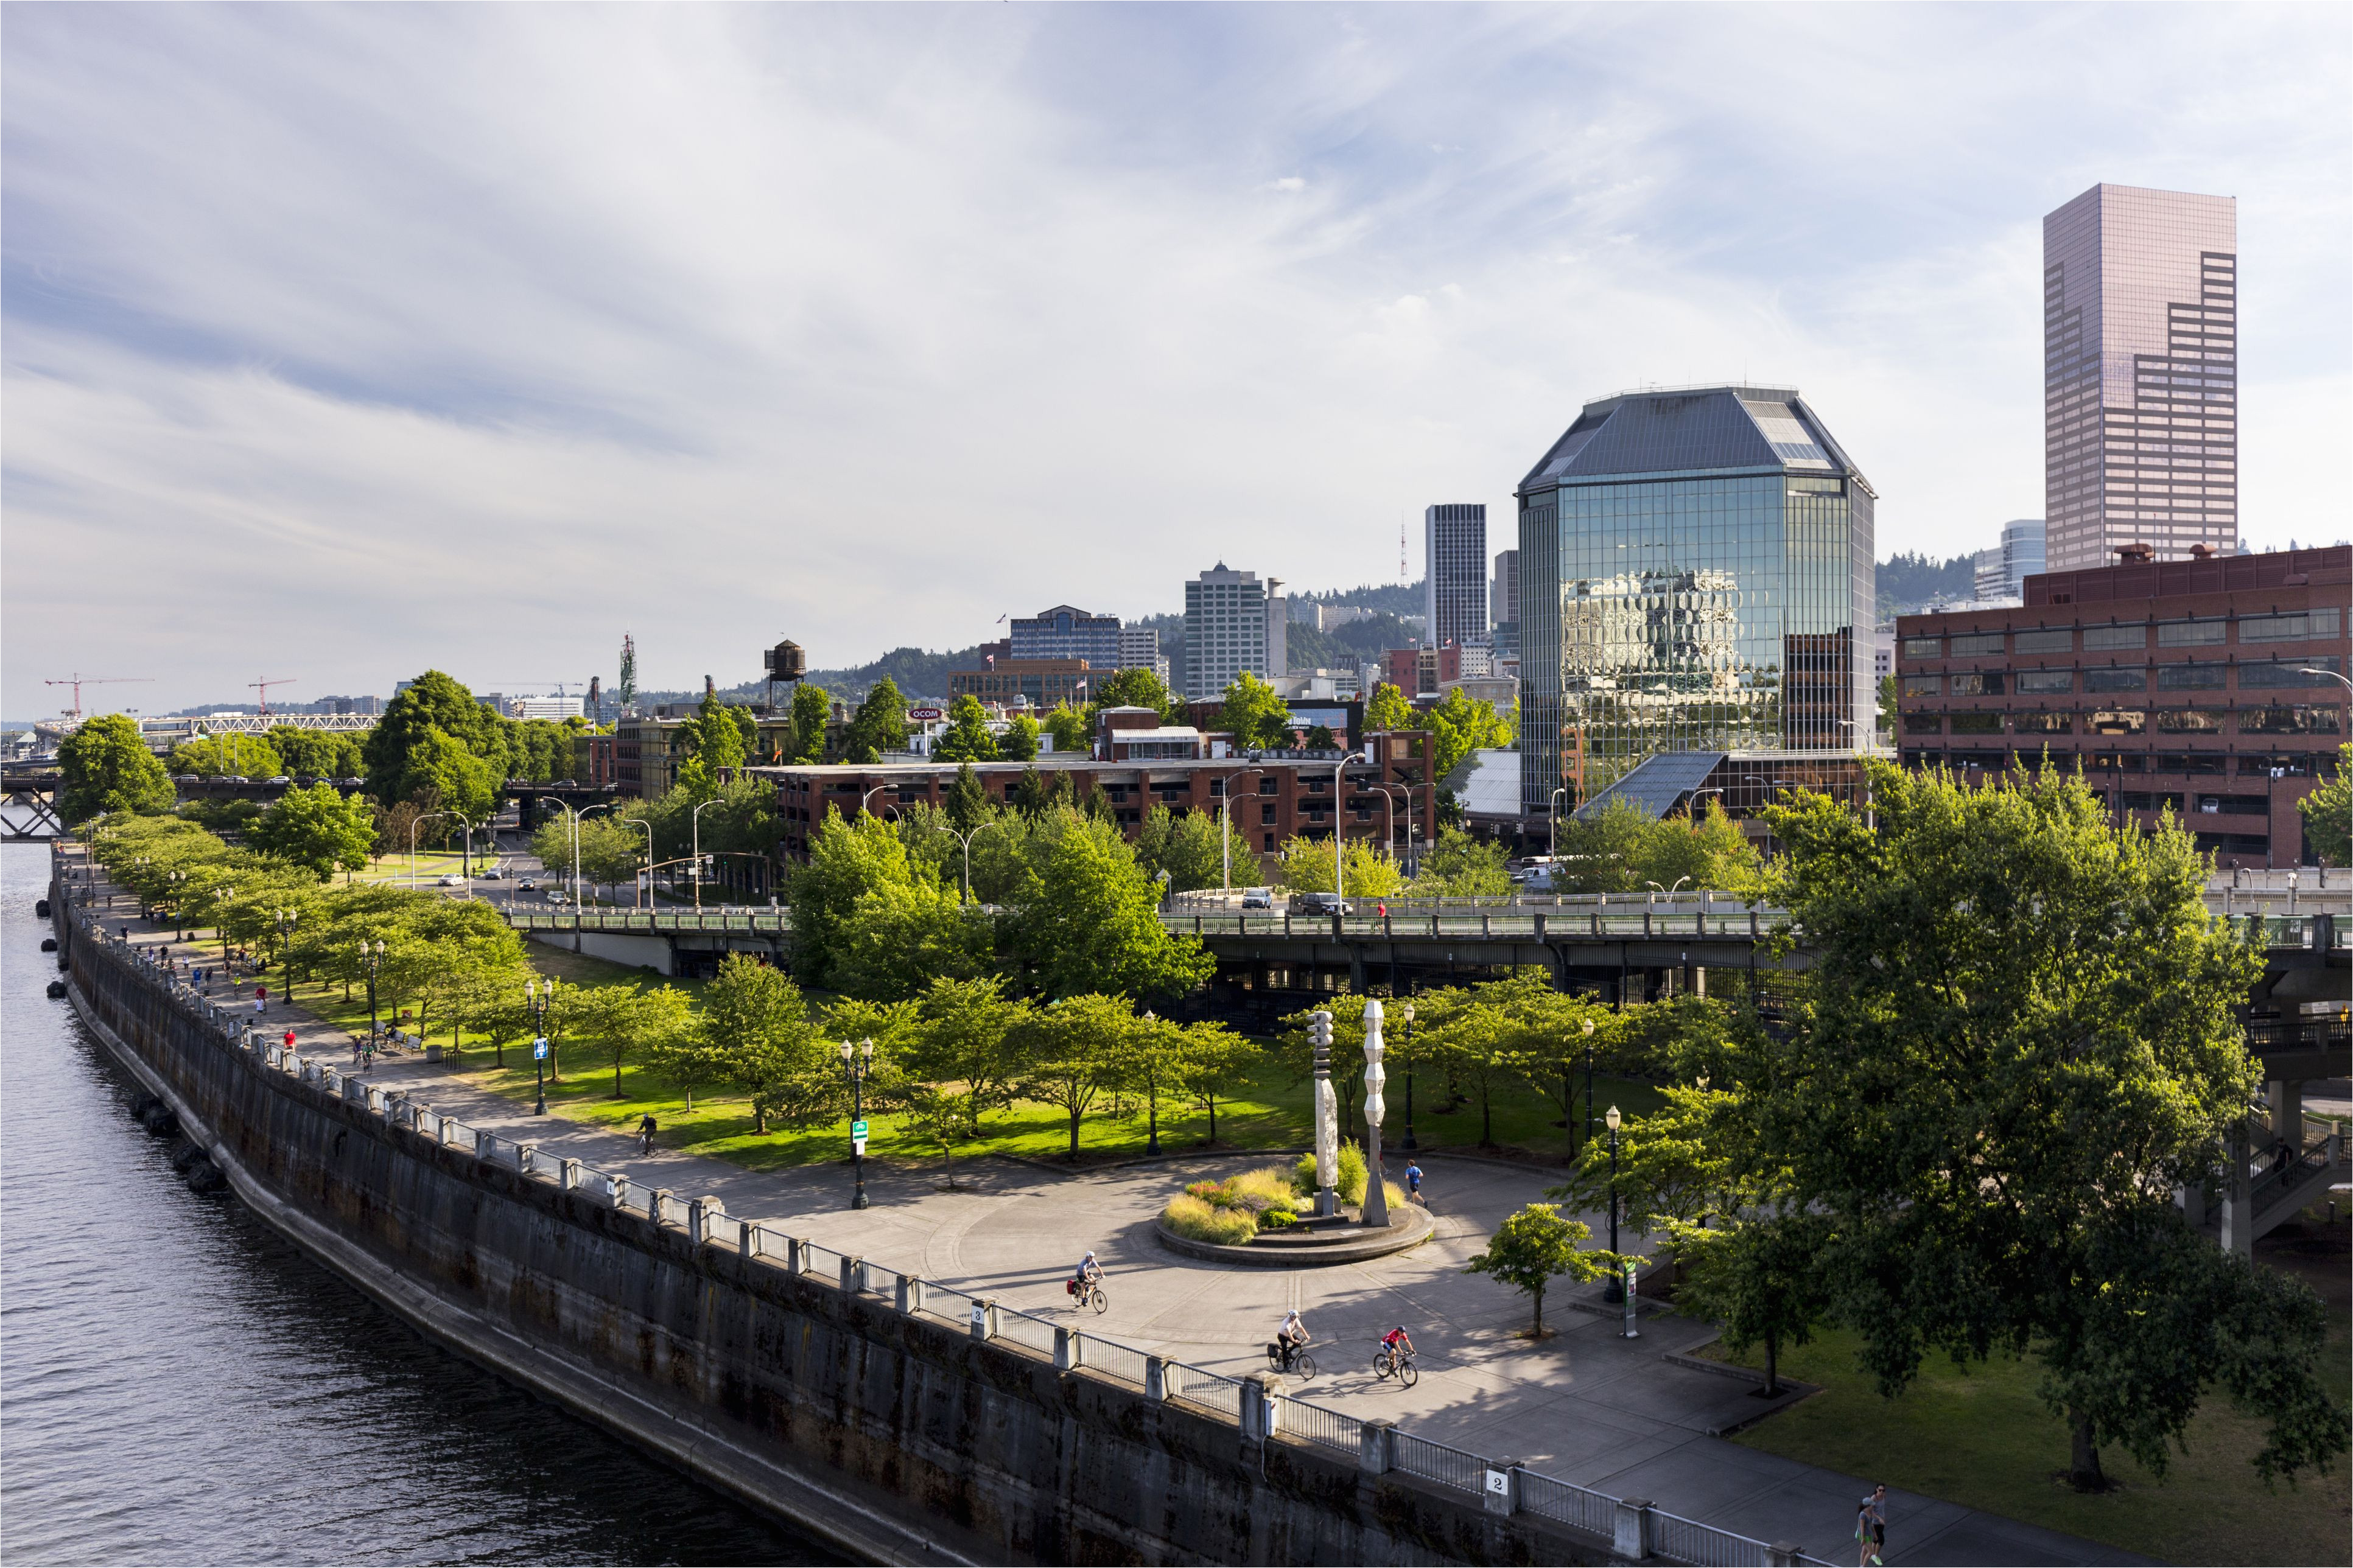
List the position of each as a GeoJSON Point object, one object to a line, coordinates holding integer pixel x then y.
{"type": "Point", "coordinates": [1376, 1210]}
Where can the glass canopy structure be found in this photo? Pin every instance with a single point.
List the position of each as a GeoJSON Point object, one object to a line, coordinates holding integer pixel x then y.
{"type": "Point", "coordinates": [1694, 567]}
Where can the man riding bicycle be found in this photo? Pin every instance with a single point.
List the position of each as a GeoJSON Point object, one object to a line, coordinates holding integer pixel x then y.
{"type": "Point", "coordinates": [647, 1127]}
{"type": "Point", "coordinates": [1397, 1342]}
{"type": "Point", "coordinates": [1088, 1272]}
{"type": "Point", "coordinates": [1290, 1338]}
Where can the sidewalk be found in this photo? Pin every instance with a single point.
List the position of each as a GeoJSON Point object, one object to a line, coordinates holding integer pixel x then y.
{"type": "Point", "coordinates": [1585, 1404]}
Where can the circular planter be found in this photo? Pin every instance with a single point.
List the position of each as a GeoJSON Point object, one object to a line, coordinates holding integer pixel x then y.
{"type": "Point", "coordinates": [1410, 1226]}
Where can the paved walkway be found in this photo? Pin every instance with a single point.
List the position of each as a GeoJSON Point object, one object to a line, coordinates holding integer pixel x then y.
{"type": "Point", "coordinates": [1585, 1406]}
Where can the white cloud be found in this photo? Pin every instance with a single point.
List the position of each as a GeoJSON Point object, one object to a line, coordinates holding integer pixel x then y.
{"type": "Point", "coordinates": [376, 338]}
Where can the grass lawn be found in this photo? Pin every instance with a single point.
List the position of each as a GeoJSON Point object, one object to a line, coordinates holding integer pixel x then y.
{"type": "Point", "coordinates": [1982, 1436]}
{"type": "Point", "coordinates": [1272, 1112]}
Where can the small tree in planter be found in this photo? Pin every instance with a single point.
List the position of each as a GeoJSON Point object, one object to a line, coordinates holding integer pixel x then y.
{"type": "Point", "coordinates": [1532, 1247]}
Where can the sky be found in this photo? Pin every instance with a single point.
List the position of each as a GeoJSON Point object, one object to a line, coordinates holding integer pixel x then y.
{"type": "Point", "coordinates": [338, 342]}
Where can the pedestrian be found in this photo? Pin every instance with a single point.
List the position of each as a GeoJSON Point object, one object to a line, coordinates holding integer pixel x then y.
{"type": "Point", "coordinates": [1413, 1183]}
{"type": "Point", "coordinates": [1871, 1528]}
{"type": "Point", "coordinates": [289, 1039]}
{"type": "Point", "coordinates": [256, 1007]}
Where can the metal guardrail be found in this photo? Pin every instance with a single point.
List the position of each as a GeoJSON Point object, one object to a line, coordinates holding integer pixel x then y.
{"type": "Point", "coordinates": [1314, 1424]}
{"type": "Point", "coordinates": [1437, 1462]}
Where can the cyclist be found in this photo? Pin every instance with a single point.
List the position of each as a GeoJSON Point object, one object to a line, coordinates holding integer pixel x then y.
{"type": "Point", "coordinates": [1289, 1338]}
{"type": "Point", "coordinates": [1088, 1272]}
{"type": "Point", "coordinates": [647, 1127]}
{"type": "Point", "coordinates": [1398, 1343]}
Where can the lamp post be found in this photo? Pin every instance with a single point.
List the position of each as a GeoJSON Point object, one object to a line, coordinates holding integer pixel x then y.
{"type": "Point", "coordinates": [286, 920]}
{"type": "Point", "coordinates": [535, 1003]}
{"type": "Point", "coordinates": [412, 841]}
{"type": "Point", "coordinates": [1406, 1012]}
{"type": "Point", "coordinates": [1616, 1290]}
{"type": "Point", "coordinates": [1588, 1080]}
{"type": "Point", "coordinates": [1374, 1210]}
{"type": "Point", "coordinates": [1552, 821]}
{"type": "Point", "coordinates": [641, 822]}
{"type": "Point", "coordinates": [964, 841]}
{"type": "Point", "coordinates": [856, 1063]}
{"type": "Point", "coordinates": [1152, 1137]}
{"type": "Point", "coordinates": [372, 960]}
{"type": "Point", "coordinates": [1340, 834]}
{"type": "Point", "coordinates": [1226, 816]}
{"type": "Point", "coordinates": [178, 896]}
{"type": "Point", "coordinates": [220, 920]}
{"type": "Point", "coordinates": [694, 828]}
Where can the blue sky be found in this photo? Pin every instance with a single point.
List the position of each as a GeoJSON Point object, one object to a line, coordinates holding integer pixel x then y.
{"type": "Point", "coordinates": [346, 341]}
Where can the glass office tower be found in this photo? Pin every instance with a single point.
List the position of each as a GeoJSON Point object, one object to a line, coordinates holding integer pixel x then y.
{"type": "Point", "coordinates": [1694, 566]}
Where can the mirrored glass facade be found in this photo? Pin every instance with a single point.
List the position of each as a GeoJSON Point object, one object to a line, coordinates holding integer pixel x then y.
{"type": "Point", "coordinates": [1693, 566]}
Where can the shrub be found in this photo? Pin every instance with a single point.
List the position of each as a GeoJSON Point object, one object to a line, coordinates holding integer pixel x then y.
{"type": "Point", "coordinates": [1189, 1215]}
{"type": "Point", "coordinates": [1267, 1188]}
{"type": "Point", "coordinates": [1207, 1191]}
{"type": "Point", "coordinates": [1352, 1175]}
{"type": "Point", "coordinates": [1277, 1220]}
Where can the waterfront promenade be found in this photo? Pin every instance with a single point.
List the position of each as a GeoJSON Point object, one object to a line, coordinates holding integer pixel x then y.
{"type": "Point", "coordinates": [1585, 1406]}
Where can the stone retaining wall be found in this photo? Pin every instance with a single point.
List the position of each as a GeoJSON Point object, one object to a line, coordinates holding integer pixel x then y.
{"type": "Point", "coordinates": [891, 1433]}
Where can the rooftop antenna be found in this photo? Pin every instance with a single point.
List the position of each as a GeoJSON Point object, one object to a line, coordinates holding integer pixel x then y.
{"type": "Point", "coordinates": [1401, 528]}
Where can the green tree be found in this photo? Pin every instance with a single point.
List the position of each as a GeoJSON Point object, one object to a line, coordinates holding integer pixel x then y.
{"type": "Point", "coordinates": [1887, 704]}
{"type": "Point", "coordinates": [1255, 713]}
{"type": "Point", "coordinates": [902, 935]}
{"type": "Point", "coordinates": [317, 753]}
{"type": "Point", "coordinates": [2328, 814]}
{"type": "Point", "coordinates": [1621, 849]}
{"type": "Point", "coordinates": [717, 742]}
{"type": "Point", "coordinates": [400, 760]}
{"type": "Point", "coordinates": [319, 828]}
{"type": "Point", "coordinates": [1132, 689]}
{"type": "Point", "coordinates": [1075, 1049]}
{"type": "Point", "coordinates": [1153, 1056]}
{"type": "Point", "coordinates": [1187, 847]}
{"type": "Point", "coordinates": [1020, 742]}
{"type": "Point", "coordinates": [1217, 1065]}
{"type": "Point", "coordinates": [1460, 867]}
{"type": "Point", "coordinates": [1307, 868]}
{"type": "Point", "coordinates": [104, 766]}
{"type": "Point", "coordinates": [765, 1044]}
{"type": "Point", "coordinates": [442, 771]}
{"type": "Point", "coordinates": [1320, 739]}
{"type": "Point", "coordinates": [1070, 728]}
{"type": "Point", "coordinates": [230, 754]}
{"type": "Point", "coordinates": [1389, 710]}
{"type": "Point", "coordinates": [967, 738]}
{"type": "Point", "coordinates": [846, 861]}
{"type": "Point", "coordinates": [2009, 989]}
{"type": "Point", "coordinates": [811, 709]}
{"type": "Point", "coordinates": [1535, 1247]}
{"type": "Point", "coordinates": [1086, 917]}
{"type": "Point", "coordinates": [1461, 723]}
{"type": "Point", "coordinates": [880, 724]}
{"type": "Point", "coordinates": [968, 1036]}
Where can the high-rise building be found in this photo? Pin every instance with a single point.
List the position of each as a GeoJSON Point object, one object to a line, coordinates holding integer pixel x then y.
{"type": "Point", "coordinates": [1695, 574]}
{"type": "Point", "coordinates": [1139, 649]}
{"type": "Point", "coordinates": [2001, 570]}
{"type": "Point", "coordinates": [1278, 629]}
{"type": "Point", "coordinates": [1454, 555]}
{"type": "Point", "coordinates": [1225, 630]}
{"type": "Point", "coordinates": [1504, 604]}
{"type": "Point", "coordinates": [2140, 375]}
{"type": "Point", "coordinates": [1068, 632]}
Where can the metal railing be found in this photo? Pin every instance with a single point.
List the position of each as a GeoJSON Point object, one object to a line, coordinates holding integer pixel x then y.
{"type": "Point", "coordinates": [1208, 1389]}
{"type": "Point", "coordinates": [1704, 1545]}
{"type": "Point", "coordinates": [1580, 1508]}
{"type": "Point", "coordinates": [1115, 1360]}
{"type": "Point", "coordinates": [1025, 1331]}
{"type": "Point", "coordinates": [1314, 1424]}
{"type": "Point", "coordinates": [1437, 1462]}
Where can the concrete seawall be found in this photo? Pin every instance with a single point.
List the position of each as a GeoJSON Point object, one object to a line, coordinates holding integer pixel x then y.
{"type": "Point", "coordinates": [893, 1434]}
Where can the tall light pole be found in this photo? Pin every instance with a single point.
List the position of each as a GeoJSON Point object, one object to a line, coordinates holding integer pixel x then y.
{"type": "Point", "coordinates": [412, 842]}
{"type": "Point", "coordinates": [1340, 834]}
{"type": "Point", "coordinates": [1616, 1290]}
{"type": "Point", "coordinates": [220, 920]}
{"type": "Point", "coordinates": [372, 960]}
{"type": "Point", "coordinates": [576, 815]}
{"type": "Point", "coordinates": [286, 920]}
{"type": "Point", "coordinates": [694, 829]}
{"type": "Point", "coordinates": [964, 841]}
{"type": "Point", "coordinates": [1588, 1080]}
{"type": "Point", "coordinates": [537, 1004]}
{"type": "Point", "coordinates": [1226, 803]}
{"type": "Point", "coordinates": [857, 1064]}
{"type": "Point", "coordinates": [641, 822]}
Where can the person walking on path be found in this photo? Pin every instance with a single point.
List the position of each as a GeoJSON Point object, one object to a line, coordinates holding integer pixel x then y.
{"type": "Point", "coordinates": [1871, 1528]}
{"type": "Point", "coordinates": [289, 1039]}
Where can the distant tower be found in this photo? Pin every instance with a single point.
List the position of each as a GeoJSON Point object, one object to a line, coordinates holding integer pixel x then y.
{"type": "Point", "coordinates": [596, 701]}
{"type": "Point", "coordinates": [626, 689]}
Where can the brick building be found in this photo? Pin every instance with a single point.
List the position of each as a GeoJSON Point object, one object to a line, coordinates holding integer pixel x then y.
{"type": "Point", "coordinates": [2176, 683]}
{"type": "Point", "coordinates": [1275, 798]}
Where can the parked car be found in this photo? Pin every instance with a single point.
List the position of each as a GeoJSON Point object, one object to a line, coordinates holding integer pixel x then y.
{"type": "Point", "coordinates": [347, 784]}
{"type": "Point", "coordinates": [451, 879]}
{"type": "Point", "coordinates": [282, 779]}
{"type": "Point", "coordinates": [185, 778]}
{"type": "Point", "coordinates": [1320, 904]}
{"type": "Point", "coordinates": [1258, 897]}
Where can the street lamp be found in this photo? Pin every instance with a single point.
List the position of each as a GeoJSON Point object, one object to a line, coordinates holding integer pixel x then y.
{"type": "Point", "coordinates": [1588, 1080]}
{"type": "Point", "coordinates": [576, 815]}
{"type": "Point", "coordinates": [641, 822]}
{"type": "Point", "coordinates": [857, 1064]}
{"type": "Point", "coordinates": [1152, 1138]}
{"type": "Point", "coordinates": [694, 830]}
{"type": "Point", "coordinates": [286, 920]}
{"type": "Point", "coordinates": [220, 920]}
{"type": "Point", "coordinates": [1616, 1290]}
{"type": "Point", "coordinates": [1406, 1012]}
{"type": "Point", "coordinates": [1340, 834]}
{"type": "Point", "coordinates": [964, 841]}
{"type": "Point", "coordinates": [372, 960]}
{"type": "Point", "coordinates": [412, 842]}
{"type": "Point", "coordinates": [1226, 816]}
{"type": "Point", "coordinates": [535, 1001]}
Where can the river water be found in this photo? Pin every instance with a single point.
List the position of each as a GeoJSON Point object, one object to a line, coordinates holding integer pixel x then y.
{"type": "Point", "coordinates": [178, 1384]}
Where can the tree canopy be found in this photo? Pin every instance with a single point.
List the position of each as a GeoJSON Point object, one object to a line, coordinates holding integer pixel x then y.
{"type": "Point", "coordinates": [318, 828]}
{"type": "Point", "coordinates": [105, 767]}
{"type": "Point", "coordinates": [1254, 713]}
{"type": "Point", "coordinates": [402, 759]}
{"type": "Point", "coordinates": [2328, 814]}
{"type": "Point", "coordinates": [968, 737]}
{"type": "Point", "coordinates": [1621, 850]}
{"type": "Point", "coordinates": [1389, 710]}
{"type": "Point", "coordinates": [231, 755]}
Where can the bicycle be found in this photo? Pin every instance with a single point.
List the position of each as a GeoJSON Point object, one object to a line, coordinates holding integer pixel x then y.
{"type": "Point", "coordinates": [1400, 1364]}
{"type": "Point", "coordinates": [1297, 1363]}
{"type": "Point", "coordinates": [1090, 1293]}
{"type": "Point", "coordinates": [645, 1144]}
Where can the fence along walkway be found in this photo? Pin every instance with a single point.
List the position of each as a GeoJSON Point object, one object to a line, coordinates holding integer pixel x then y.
{"type": "Point", "coordinates": [1258, 1409]}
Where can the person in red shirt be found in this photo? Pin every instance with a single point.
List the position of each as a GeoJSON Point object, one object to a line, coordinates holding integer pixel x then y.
{"type": "Point", "coordinates": [289, 1039]}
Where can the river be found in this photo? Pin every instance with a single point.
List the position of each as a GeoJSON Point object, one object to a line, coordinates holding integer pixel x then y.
{"type": "Point", "coordinates": [179, 1384]}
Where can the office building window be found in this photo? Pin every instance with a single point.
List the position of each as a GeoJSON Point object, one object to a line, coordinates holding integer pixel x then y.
{"type": "Point", "coordinates": [1981, 723]}
{"type": "Point", "coordinates": [2104, 640]}
{"type": "Point", "coordinates": [1976, 644]}
{"type": "Point", "coordinates": [2116, 721]}
{"type": "Point", "coordinates": [2192, 720]}
{"type": "Point", "coordinates": [1923, 684]}
{"type": "Point", "coordinates": [2060, 641]}
{"type": "Point", "coordinates": [2116, 680]}
{"type": "Point", "coordinates": [2254, 675]}
{"type": "Point", "coordinates": [2288, 628]}
{"type": "Point", "coordinates": [1977, 683]}
{"type": "Point", "coordinates": [2190, 676]}
{"type": "Point", "coordinates": [2045, 682]}
{"type": "Point", "coordinates": [2192, 634]}
{"type": "Point", "coordinates": [2045, 723]}
{"type": "Point", "coordinates": [2291, 720]}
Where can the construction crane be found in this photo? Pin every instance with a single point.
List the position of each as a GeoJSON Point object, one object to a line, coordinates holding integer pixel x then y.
{"type": "Point", "coordinates": [265, 685]}
{"type": "Point", "coordinates": [78, 681]}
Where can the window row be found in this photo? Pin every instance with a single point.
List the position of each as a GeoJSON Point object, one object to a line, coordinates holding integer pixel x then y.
{"type": "Point", "coordinates": [2299, 627]}
{"type": "Point", "coordinates": [2185, 764]}
{"type": "Point", "coordinates": [2254, 675]}
{"type": "Point", "coordinates": [2296, 719]}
